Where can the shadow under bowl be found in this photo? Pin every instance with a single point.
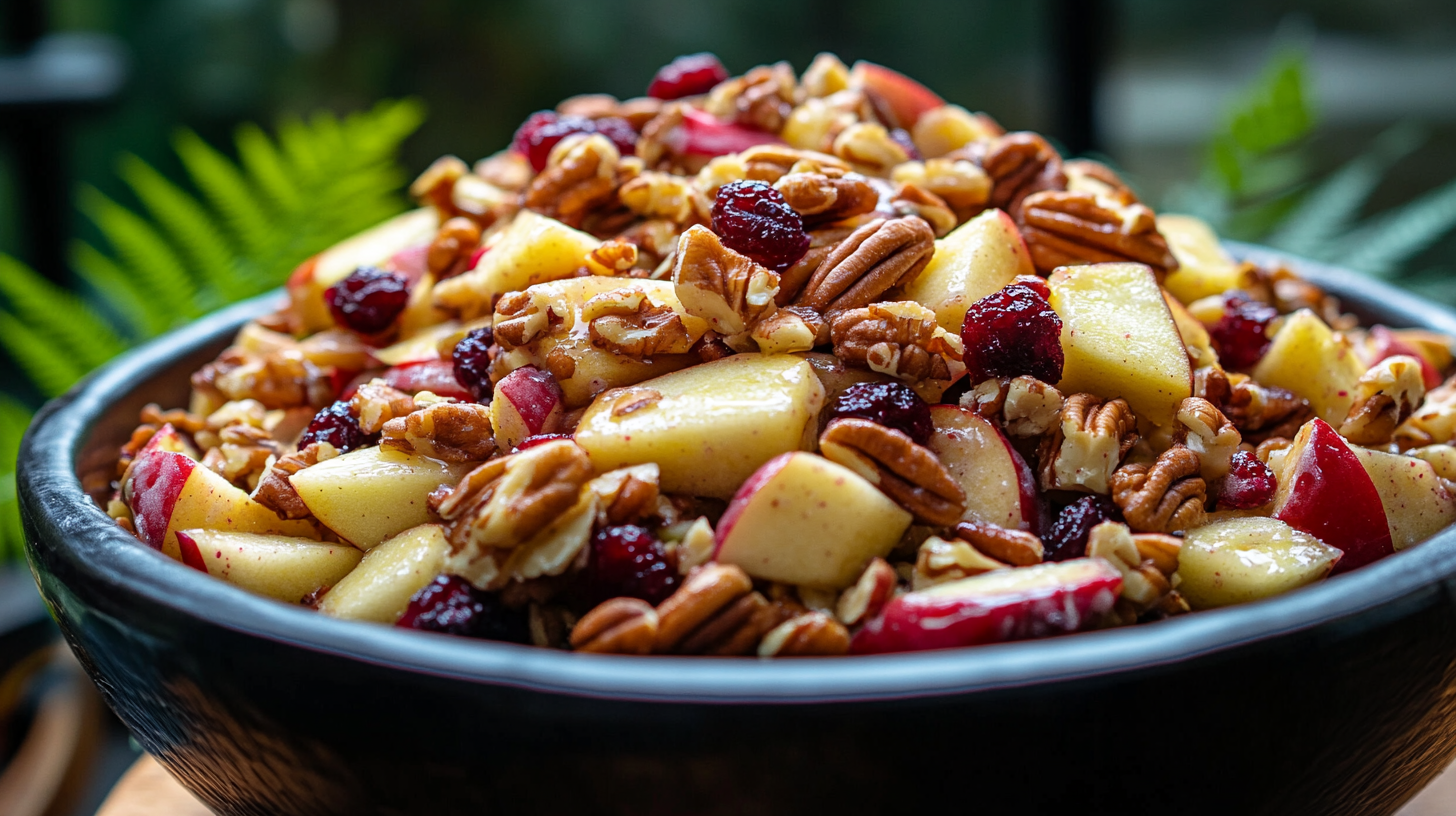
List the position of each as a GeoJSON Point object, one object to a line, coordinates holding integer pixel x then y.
{"type": "Point", "coordinates": [1336, 699]}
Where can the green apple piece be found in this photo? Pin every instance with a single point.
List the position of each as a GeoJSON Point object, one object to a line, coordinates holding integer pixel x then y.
{"type": "Point", "coordinates": [802, 519]}
{"type": "Point", "coordinates": [307, 284]}
{"type": "Point", "coordinates": [1120, 339]}
{"type": "Point", "coordinates": [1247, 559]}
{"type": "Point", "coordinates": [533, 249]}
{"type": "Point", "coordinates": [371, 494]}
{"type": "Point", "coordinates": [380, 588]}
{"type": "Point", "coordinates": [708, 427]}
{"type": "Point", "coordinates": [1309, 359]}
{"type": "Point", "coordinates": [1204, 268]}
{"type": "Point", "coordinates": [976, 259]}
{"type": "Point", "coordinates": [1417, 503]}
{"type": "Point", "coordinates": [276, 566]}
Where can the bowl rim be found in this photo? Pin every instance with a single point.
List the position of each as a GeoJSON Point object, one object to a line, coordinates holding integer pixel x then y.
{"type": "Point", "coordinates": [91, 544]}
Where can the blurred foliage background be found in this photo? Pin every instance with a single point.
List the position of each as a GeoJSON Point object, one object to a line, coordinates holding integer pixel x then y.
{"type": "Point", "coordinates": [1324, 128]}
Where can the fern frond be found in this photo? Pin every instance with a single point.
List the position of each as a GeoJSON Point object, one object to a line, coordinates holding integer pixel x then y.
{"type": "Point", "coordinates": [56, 315]}
{"type": "Point", "coordinates": [148, 258]}
{"type": "Point", "coordinates": [52, 369]}
{"type": "Point", "coordinates": [1383, 243]}
{"type": "Point", "coordinates": [142, 317]}
{"type": "Point", "coordinates": [13, 421]}
{"type": "Point", "coordinates": [266, 167]}
{"type": "Point", "coordinates": [226, 190]}
{"type": "Point", "coordinates": [188, 223]}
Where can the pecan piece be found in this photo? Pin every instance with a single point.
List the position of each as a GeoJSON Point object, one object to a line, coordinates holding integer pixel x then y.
{"type": "Point", "coordinates": [1385, 396]}
{"type": "Point", "coordinates": [1020, 164]}
{"type": "Point", "coordinates": [1068, 229]}
{"type": "Point", "coordinates": [901, 339]}
{"type": "Point", "coordinates": [626, 322]}
{"type": "Point", "coordinates": [617, 626]}
{"type": "Point", "coordinates": [1434, 423]}
{"type": "Point", "coordinates": [726, 289]}
{"type": "Point", "coordinates": [580, 176]}
{"type": "Point", "coordinates": [654, 194]}
{"type": "Point", "coordinates": [869, 594]}
{"type": "Point", "coordinates": [760, 99]}
{"type": "Point", "coordinates": [456, 240]}
{"type": "Point", "coordinates": [771, 162]}
{"type": "Point", "coordinates": [1024, 405]}
{"type": "Point", "coordinates": [878, 256]}
{"type": "Point", "coordinates": [1208, 433]}
{"type": "Point", "coordinates": [963, 186]}
{"type": "Point", "coordinates": [892, 461]}
{"type": "Point", "coordinates": [450, 431]}
{"type": "Point", "coordinates": [911, 199]}
{"type": "Point", "coordinates": [506, 501]}
{"type": "Point", "coordinates": [714, 611]}
{"type": "Point", "coordinates": [375, 403]}
{"type": "Point", "coordinates": [1087, 176]}
{"type": "Point", "coordinates": [276, 492]}
{"type": "Point", "coordinates": [940, 561]}
{"type": "Point", "coordinates": [820, 198]}
{"type": "Point", "coordinates": [814, 634]}
{"type": "Point", "coordinates": [434, 186]}
{"type": "Point", "coordinates": [626, 495]}
{"type": "Point", "coordinates": [282, 379]}
{"type": "Point", "coordinates": [868, 147]}
{"type": "Point", "coordinates": [1145, 584]}
{"type": "Point", "coordinates": [791, 329]}
{"type": "Point", "coordinates": [1164, 497]}
{"type": "Point", "coordinates": [1015, 547]}
{"type": "Point", "coordinates": [1261, 411]}
{"type": "Point", "coordinates": [1087, 444]}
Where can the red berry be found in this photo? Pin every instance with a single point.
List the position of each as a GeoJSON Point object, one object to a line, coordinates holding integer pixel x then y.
{"type": "Point", "coordinates": [893, 405]}
{"type": "Point", "coordinates": [1242, 334]}
{"type": "Point", "coordinates": [687, 75]}
{"type": "Point", "coordinates": [1249, 484]}
{"type": "Point", "coordinates": [521, 141]}
{"type": "Point", "coordinates": [451, 605]}
{"type": "Point", "coordinates": [752, 218]}
{"type": "Point", "coordinates": [1068, 537]}
{"type": "Point", "coordinates": [472, 362]}
{"type": "Point", "coordinates": [543, 129]}
{"type": "Point", "coordinates": [1013, 332]}
{"type": "Point", "coordinates": [620, 131]}
{"type": "Point", "coordinates": [368, 300]}
{"type": "Point", "coordinates": [1035, 282]}
{"type": "Point", "coordinates": [337, 426]}
{"type": "Point", "coordinates": [629, 561]}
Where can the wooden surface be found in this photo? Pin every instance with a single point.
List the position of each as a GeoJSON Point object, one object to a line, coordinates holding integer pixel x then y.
{"type": "Point", "coordinates": [147, 790]}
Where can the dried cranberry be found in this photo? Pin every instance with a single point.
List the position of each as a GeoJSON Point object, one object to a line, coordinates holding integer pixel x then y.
{"type": "Point", "coordinates": [1035, 282]}
{"type": "Point", "coordinates": [629, 561]}
{"type": "Point", "coordinates": [449, 604]}
{"type": "Point", "coordinates": [368, 300]}
{"type": "Point", "coordinates": [521, 142]}
{"type": "Point", "coordinates": [902, 138]}
{"type": "Point", "coordinates": [752, 218]}
{"type": "Point", "coordinates": [1241, 335]}
{"type": "Point", "coordinates": [891, 404]}
{"type": "Point", "coordinates": [337, 426]}
{"type": "Point", "coordinates": [688, 75]}
{"type": "Point", "coordinates": [472, 362]}
{"type": "Point", "coordinates": [1249, 484]}
{"type": "Point", "coordinates": [543, 129]}
{"type": "Point", "coordinates": [1068, 537]}
{"type": "Point", "coordinates": [1013, 332]}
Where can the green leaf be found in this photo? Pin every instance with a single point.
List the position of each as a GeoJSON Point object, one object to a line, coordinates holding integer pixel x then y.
{"type": "Point", "coordinates": [14, 419]}
{"type": "Point", "coordinates": [52, 369]}
{"type": "Point", "coordinates": [61, 318]}
{"type": "Point", "coordinates": [190, 226]}
{"type": "Point", "coordinates": [266, 167]}
{"type": "Point", "coordinates": [148, 258]}
{"type": "Point", "coordinates": [226, 189]}
{"type": "Point", "coordinates": [144, 318]}
{"type": "Point", "coordinates": [1383, 243]}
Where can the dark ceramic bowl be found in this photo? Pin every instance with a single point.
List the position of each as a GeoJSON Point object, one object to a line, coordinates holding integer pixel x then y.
{"type": "Point", "coordinates": [1337, 699]}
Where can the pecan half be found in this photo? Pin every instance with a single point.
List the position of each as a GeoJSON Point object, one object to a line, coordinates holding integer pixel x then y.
{"type": "Point", "coordinates": [1015, 547]}
{"type": "Point", "coordinates": [714, 611]}
{"type": "Point", "coordinates": [1164, 497]}
{"type": "Point", "coordinates": [580, 175]}
{"type": "Point", "coordinates": [626, 322]}
{"type": "Point", "coordinates": [1208, 433]}
{"type": "Point", "coordinates": [821, 242]}
{"type": "Point", "coordinates": [1020, 164]}
{"type": "Point", "coordinates": [1087, 444]}
{"type": "Point", "coordinates": [878, 256]}
{"type": "Point", "coordinates": [375, 403]}
{"type": "Point", "coordinates": [617, 626]}
{"type": "Point", "coordinates": [1068, 229]}
{"type": "Point", "coordinates": [869, 594]}
{"type": "Point", "coordinates": [814, 634]}
{"type": "Point", "coordinates": [1434, 423]}
{"type": "Point", "coordinates": [506, 501]}
{"type": "Point", "coordinates": [820, 198]}
{"type": "Point", "coordinates": [450, 431]}
{"type": "Point", "coordinates": [940, 561]}
{"type": "Point", "coordinates": [901, 339]}
{"type": "Point", "coordinates": [452, 245]}
{"type": "Point", "coordinates": [906, 472]}
{"type": "Point", "coordinates": [726, 289]}
{"type": "Point", "coordinates": [1385, 396]}
{"type": "Point", "coordinates": [276, 493]}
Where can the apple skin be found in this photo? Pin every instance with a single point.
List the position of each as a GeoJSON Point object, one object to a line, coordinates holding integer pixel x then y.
{"type": "Point", "coordinates": [527, 403]}
{"type": "Point", "coordinates": [899, 97]}
{"type": "Point", "coordinates": [1417, 502]}
{"type": "Point", "coordinates": [1325, 491]}
{"type": "Point", "coordinates": [804, 520]}
{"type": "Point", "coordinates": [978, 258]}
{"type": "Point", "coordinates": [703, 134]}
{"type": "Point", "coordinates": [1387, 344]}
{"type": "Point", "coordinates": [169, 439]}
{"type": "Point", "coordinates": [1047, 599]}
{"type": "Point", "coordinates": [435, 376]}
{"type": "Point", "coordinates": [1000, 487]}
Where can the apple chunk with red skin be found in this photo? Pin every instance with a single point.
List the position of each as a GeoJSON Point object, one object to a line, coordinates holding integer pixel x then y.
{"type": "Point", "coordinates": [1048, 599]}
{"type": "Point", "coordinates": [898, 97]}
{"type": "Point", "coordinates": [527, 402]}
{"type": "Point", "coordinates": [1416, 500]}
{"type": "Point", "coordinates": [279, 567]}
{"type": "Point", "coordinates": [1000, 487]}
{"type": "Point", "coordinates": [1325, 491]}
{"type": "Point", "coordinates": [802, 519]}
{"type": "Point", "coordinates": [376, 245]}
{"type": "Point", "coordinates": [169, 491]}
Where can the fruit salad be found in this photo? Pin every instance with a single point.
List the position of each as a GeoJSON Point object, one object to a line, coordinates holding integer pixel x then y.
{"type": "Point", "coordinates": [790, 365]}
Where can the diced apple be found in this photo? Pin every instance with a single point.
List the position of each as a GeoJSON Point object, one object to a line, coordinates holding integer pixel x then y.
{"type": "Point", "coordinates": [1325, 491]}
{"type": "Point", "coordinates": [527, 402]}
{"type": "Point", "coordinates": [277, 566]}
{"type": "Point", "coordinates": [1248, 559]}
{"type": "Point", "coordinates": [533, 249]}
{"type": "Point", "coordinates": [168, 492]}
{"type": "Point", "coordinates": [423, 345]}
{"type": "Point", "coordinates": [1386, 343]}
{"type": "Point", "coordinates": [976, 259]}
{"type": "Point", "coordinates": [1416, 501]}
{"type": "Point", "coordinates": [802, 519]}
{"type": "Point", "coordinates": [421, 313]}
{"type": "Point", "coordinates": [168, 439]}
{"type": "Point", "coordinates": [835, 376]}
{"type": "Point", "coordinates": [1204, 268]}
{"type": "Point", "coordinates": [1000, 488]}
{"type": "Point", "coordinates": [1012, 604]}
{"type": "Point", "coordinates": [380, 588]}
{"type": "Point", "coordinates": [1309, 359]}
{"type": "Point", "coordinates": [704, 135]}
{"type": "Point", "coordinates": [374, 246]}
{"type": "Point", "coordinates": [1120, 339]}
{"type": "Point", "coordinates": [435, 376]}
{"type": "Point", "coordinates": [898, 97]}
{"type": "Point", "coordinates": [708, 427]}
{"type": "Point", "coordinates": [1195, 335]}
{"type": "Point", "coordinates": [371, 494]}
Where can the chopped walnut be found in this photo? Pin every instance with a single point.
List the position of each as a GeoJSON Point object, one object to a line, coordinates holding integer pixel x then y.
{"type": "Point", "coordinates": [283, 379]}
{"type": "Point", "coordinates": [771, 162]}
{"type": "Point", "coordinates": [1067, 229]}
{"type": "Point", "coordinates": [1144, 582]}
{"type": "Point", "coordinates": [1385, 396]}
{"type": "Point", "coordinates": [908, 473]}
{"type": "Point", "coordinates": [580, 175]}
{"type": "Point", "coordinates": [275, 491]}
{"type": "Point", "coordinates": [1020, 164]}
{"type": "Point", "coordinates": [483, 202]}
{"type": "Point", "coordinates": [940, 561]}
{"type": "Point", "coordinates": [625, 321]}
{"type": "Point", "coordinates": [873, 259]}
{"type": "Point", "coordinates": [963, 186]}
{"type": "Point", "coordinates": [760, 99]}
{"type": "Point", "coordinates": [665, 195]}
{"type": "Point", "coordinates": [1434, 422]}
{"type": "Point", "coordinates": [457, 238]}
{"type": "Point", "coordinates": [1164, 497]}
{"type": "Point", "coordinates": [724, 288]}
{"type": "Point", "coordinates": [1087, 444]}
{"type": "Point", "coordinates": [816, 123]}
{"type": "Point", "coordinates": [1258, 411]}
{"type": "Point", "coordinates": [868, 148]}
{"type": "Point", "coordinates": [508, 170]}
{"type": "Point", "coordinates": [375, 403]}
{"type": "Point", "coordinates": [613, 258]}
{"type": "Point", "coordinates": [1208, 433]}
{"type": "Point", "coordinates": [434, 186]}
{"type": "Point", "coordinates": [791, 329]}
{"type": "Point", "coordinates": [820, 198]}
{"type": "Point", "coordinates": [912, 200]}
{"type": "Point", "coordinates": [449, 431]}
{"type": "Point", "coordinates": [948, 128]}
{"type": "Point", "coordinates": [901, 339]}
